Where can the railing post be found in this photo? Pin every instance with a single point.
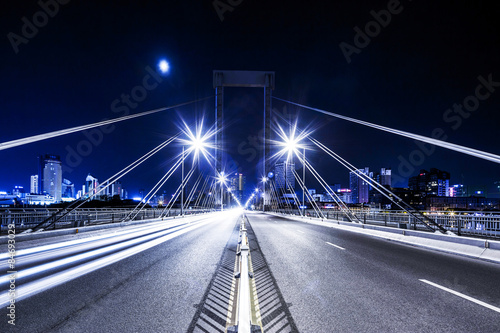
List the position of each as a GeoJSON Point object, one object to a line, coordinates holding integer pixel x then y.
{"type": "Point", "coordinates": [459, 226]}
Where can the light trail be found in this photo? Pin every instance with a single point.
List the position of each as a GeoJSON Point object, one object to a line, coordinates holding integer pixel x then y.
{"type": "Point", "coordinates": [40, 137]}
{"type": "Point", "coordinates": [461, 149]}
{"type": "Point", "coordinates": [122, 242]}
{"type": "Point", "coordinates": [36, 286]}
{"type": "Point", "coordinates": [45, 251]}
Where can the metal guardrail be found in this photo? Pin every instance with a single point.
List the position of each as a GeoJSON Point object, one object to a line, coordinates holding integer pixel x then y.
{"type": "Point", "coordinates": [246, 318]}
{"type": "Point", "coordinates": [28, 218]}
{"type": "Point", "coordinates": [467, 223]}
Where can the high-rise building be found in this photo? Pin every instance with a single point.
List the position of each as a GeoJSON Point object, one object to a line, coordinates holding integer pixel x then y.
{"type": "Point", "coordinates": [385, 177]}
{"type": "Point", "coordinates": [285, 180]}
{"type": "Point", "coordinates": [116, 189]}
{"type": "Point", "coordinates": [34, 184]}
{"type": "Point", "coordinates": [360, 188]}
{"type": "Point", "coordinates": [237, 185]}
{"type": "Point", "coordinates": [50, 176]}
{"type": "Point", "coordinates": [68, 189]}
{"type": "Point", "coordinates": [92, 185]}
{"type": "Point", "coordinates": [434, 182]}
{"type": "Point", "coordinates": [458, 190]}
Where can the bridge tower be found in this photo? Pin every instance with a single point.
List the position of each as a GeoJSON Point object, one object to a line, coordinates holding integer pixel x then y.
{"type": "Point", "coordinates": [253, 79]}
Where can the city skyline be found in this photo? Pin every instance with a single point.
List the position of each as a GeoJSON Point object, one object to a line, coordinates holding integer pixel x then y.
{"type": "Point", "coordinates": [359, 190]}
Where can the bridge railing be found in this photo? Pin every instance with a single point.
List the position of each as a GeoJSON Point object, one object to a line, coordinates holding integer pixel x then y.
{"type": "Point", "coordinates": [471, 223]}
{"type": "Point", "coordinates": [28, 218]}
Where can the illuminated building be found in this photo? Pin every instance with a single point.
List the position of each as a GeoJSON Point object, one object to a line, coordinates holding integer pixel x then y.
{"type": "Point", "coordinates": [50, 176]}
{"type": "Point", "coordinates": [436, 183]}
{"type": "Point", "coordinates": [237, 185]}
{"type": "Point", "coordinates": [34, 184]}
{"type": "Point", "coordinates": [360, 188]}
{"type": "Point", "coordinates": [284, 180]}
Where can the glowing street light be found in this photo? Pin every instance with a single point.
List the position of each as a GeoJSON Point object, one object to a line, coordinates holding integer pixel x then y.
{"type": "Point", "coordinates": [290, 143]}
{"type": "Point", "coordinates": [196, 142]}
{"type": "Point", "coordinates": [222, 180]}
{"type": "Point", "coordinates": [264, 180]}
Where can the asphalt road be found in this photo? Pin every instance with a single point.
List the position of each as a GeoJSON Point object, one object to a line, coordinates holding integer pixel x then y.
{"type": "Point", "coordinates": [155, 290]}
{"type": "Point", "coordinates": [340, 281]}
{"type": "Point", "coordinates": [332, 280]}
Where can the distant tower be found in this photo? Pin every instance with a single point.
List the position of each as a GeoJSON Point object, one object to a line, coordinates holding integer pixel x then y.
{"type": "Point", "coordinates": [92, 184]}
{"type": "Point", "coordinates": [50, 176]}
{"type": "Point", "coordinates": [385, 177]}
{"type": "Point", "coordinates": [359, 187]}
{"type": "Point", "coordinates": [34, 184]}
{"type": "Point", "coordinates": [284, 178]}
{"type": "Point", "coordinates": [68, 189]}
{"type": "Point", "coordinates": [237, 183]}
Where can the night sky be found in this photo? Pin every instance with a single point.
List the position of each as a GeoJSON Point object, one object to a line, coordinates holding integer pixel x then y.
{"type": "Point", "coordinates": [425, 60]}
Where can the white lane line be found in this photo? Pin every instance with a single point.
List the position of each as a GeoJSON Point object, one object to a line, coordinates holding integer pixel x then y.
{"type": "Point", "coordinates": [300, 231]}
{"type": "Point", "coordinates": [338, 247]}
{"type": "Point", "coordinates": [486, 305]}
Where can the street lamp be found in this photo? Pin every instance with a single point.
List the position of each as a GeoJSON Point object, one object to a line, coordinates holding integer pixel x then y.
{"type": "Point", "coordinates": [264, 180]}
{"type": "Point", "coordinates": [182, 180]}
{"type": "Point", "coordinates": [303, 181]}
{"type": "Point", "coordinates": [290, 145]}
{"type": "Point", "coordinates": [222, 180]}
{"type": "Point", "coordinates": [196, 142]}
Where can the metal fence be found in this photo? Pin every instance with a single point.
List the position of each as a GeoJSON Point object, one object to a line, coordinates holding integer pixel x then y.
{"type": "Point", "coordinates": [28, 218]}
{"type": "Point", "coordinates": [467, 223]}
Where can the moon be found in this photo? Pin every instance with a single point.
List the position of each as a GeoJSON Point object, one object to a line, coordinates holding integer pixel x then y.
{"type": "Point", "coordinates": [164, 66]}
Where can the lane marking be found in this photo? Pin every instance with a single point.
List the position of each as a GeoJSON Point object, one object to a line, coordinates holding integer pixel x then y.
{"type": "Point", "coordinates": [338, 247]}
{"type": "Point", "coordinates": [300, 231]}
{"type": "Point", "coordinates": [486, 305]}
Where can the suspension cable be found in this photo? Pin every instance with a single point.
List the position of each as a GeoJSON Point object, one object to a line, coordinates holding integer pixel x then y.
{"type": "Point", "coordinates": [40, 137]}
{"type": "Point", "coordinates": [440, 143]}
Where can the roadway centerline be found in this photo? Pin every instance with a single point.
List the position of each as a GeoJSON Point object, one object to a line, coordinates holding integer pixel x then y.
{"type": "Point", "coordinates": [338, 247]}
{"type": "Point", "coordinates": [300, 231]}
{"type": "Point", "coordinates": [486, 305]}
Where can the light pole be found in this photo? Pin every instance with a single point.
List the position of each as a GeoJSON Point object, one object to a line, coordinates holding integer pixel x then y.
{"type": "Point", "coordinates": [303, 181]}
{"type": "Point", "coordinates": [222, 180]}
{"type": "Point", "coordinates": [182, 179]}
{"type": "Point", "coordinates": [264, 180]}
